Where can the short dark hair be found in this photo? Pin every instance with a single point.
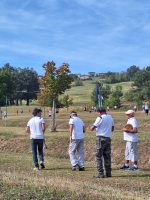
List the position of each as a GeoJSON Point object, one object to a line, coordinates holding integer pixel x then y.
{"type": "Point", "coordinates": [73, 113]}
{"type": "Point", "coordinates": [101, 110]}
{"type": "Point", "coordinates": [36, 111]}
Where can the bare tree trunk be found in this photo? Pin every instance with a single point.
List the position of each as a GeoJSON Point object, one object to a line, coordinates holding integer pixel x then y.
{"type": "Point", "coordinates": [53, 118]}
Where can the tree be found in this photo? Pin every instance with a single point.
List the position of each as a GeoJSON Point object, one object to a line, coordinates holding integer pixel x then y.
{"type": "Point", "coordinates": [54, 83]}
{"type": "Point", "coordinates": [115, 97]}
{"type": "Point", "coordinates": [131, 71]}
{"type": "Point", "coordinates": [66, 101]}
{"type": "Point", "coordinates": [105, 91]}
{"type": "Point", "coordinates": [27, 85]}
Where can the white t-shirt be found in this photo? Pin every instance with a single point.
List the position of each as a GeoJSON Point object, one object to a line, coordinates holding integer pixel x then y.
{"type": "Point", "coordinates": [35, 125]}
{"type": "Point", "coordinates": [131, 137]}
{"type": "Point", "coordinates": [78, 125]}
{"type": "Point", "coordinates": [104, 125]}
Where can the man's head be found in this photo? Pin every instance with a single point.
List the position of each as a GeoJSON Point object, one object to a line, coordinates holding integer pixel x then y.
{"type": "Point", "coordinates": [101, 110]}
{"type": "Point", "coordinates": [130, 113]}
{"type": "Point", "coordinates": [36, 112]}
{"type": "Point", "coordinates": [73, 114]}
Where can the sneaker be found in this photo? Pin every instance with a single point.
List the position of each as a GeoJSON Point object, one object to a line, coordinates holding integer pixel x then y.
{"type": "Point", "coordinates": [99, 176]}
{"type": "Point", "coordinates": [74, 168]}
{"type": "Point", "coordinates": [124, 167]}
{"type": "Point", "coordinates": [42, 165]}
{"type": "Point", "coordinates": [36, 169]}
{"type": "Point", "coordinates": [81, 169]}
{"type": "Point", "coordinates": [133, 168]}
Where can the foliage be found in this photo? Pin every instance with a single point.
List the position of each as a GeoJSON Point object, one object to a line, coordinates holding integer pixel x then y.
{"type": "Point", "coordinates": [78, 82]}
{"type": "Point", "coordinates": [54, 82]}
{"type": "Point", "coordinates": [105, 91]}
{"type": "Point", "coordinates": [17, 83]}
{"type": "Point", "coordinates": [66, 101]}
{"type": "Point", "coordinates": [115, 97]}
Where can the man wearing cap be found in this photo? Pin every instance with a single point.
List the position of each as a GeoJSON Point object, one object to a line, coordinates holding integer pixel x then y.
{"type": "Point", "coordinates": [131, 138]}
{"type": "Point", "coordinates": [104, 126]}
{"type": "Point", "coordinates": [36, 128]}
{"type": "Point", "coordinates": [76, 145]}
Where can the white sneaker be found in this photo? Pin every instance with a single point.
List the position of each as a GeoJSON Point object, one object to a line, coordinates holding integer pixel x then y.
{"type": "Point", "coordinates": [36, 169]}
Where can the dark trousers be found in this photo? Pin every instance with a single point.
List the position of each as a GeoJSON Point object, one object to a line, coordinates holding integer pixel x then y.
{"type": "Point", "coordinates": [103, 153]}
{"type": "Point", "coordinates": [37, 147]}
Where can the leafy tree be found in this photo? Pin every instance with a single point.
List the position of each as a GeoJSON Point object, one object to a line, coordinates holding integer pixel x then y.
{"type": "Point", "coordinates": [6, 86]}
{"type": "Point", "coordinates": [54, 83]}
{"type": "Point", "coordinates": [66, 101]}
{"type": "Point", "coordinates": [27, 84]}
{"type": "Point", "coordinates": [115, 96]}
{"type": "Point", "coordinates": [131, 71]}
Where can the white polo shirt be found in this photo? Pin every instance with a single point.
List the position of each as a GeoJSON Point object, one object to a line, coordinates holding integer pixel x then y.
{"type": "Point", "coordinates": [78, 125]}
{"type": "Point", "coordinates": [35, 125]}
{"type": "Point", "coordinates": [104, 125]}
{"type": "Point", "coordinates": [131, 137]}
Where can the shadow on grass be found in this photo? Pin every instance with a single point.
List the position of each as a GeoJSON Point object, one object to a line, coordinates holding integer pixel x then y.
{"type": "Point", "coordinates": [132, 175]}
{"type": "Point", "coordinates": [67, 168]}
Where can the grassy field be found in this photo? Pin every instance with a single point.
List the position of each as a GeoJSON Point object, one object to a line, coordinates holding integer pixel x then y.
{"type": "Point", "coordinates": [82, 94]}
{"type": "Point", "coordinates": [58, 181]}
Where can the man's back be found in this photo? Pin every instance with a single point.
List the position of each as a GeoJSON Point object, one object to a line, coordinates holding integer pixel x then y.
{"type": "Point", "coordinates": [78, 127]}
{"type": "Point", "coordinates": [35, 125]}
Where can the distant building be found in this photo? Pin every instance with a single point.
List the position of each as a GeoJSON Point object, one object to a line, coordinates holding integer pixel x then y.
{"type": "Point", "coordinates": [85, 77]}
{"type": "Point", "coordinates": [92, 74]}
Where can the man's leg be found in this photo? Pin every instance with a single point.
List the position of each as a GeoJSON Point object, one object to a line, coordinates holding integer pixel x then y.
{"type": "Point", "coordinates": [72, 153]}
{"type": "Point", "coordinates": [107, 157]}
{"type": "Point", "coordinates": [34, 152]}
{"type": "Point", "coordinates": [81, 154]}
{"type": "Point", "coordinates": [99, 156]}
{"type": "Point", "coordinates": [41, 153]}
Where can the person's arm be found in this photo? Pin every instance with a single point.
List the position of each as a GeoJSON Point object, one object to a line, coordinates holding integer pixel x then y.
{"type": "Point", "coordinates": [43, 127]}
{"type": "Point", "coordinates": [92, 128]}
{"type": "Point", "coordinates": [83, 129]}
{"type": "Point", "coordinates": [112, 129]}
{"type": "Point", "coordinates": [70, 132]}
{"type": "Point", "coordinates": [28, 129]}
{"type": "Point", "coordinates": [135, 130]}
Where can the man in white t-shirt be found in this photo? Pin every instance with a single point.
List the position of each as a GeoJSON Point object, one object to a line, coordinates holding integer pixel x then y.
{"type": "Point", "coordinates": [76, 146]}
{"type": "Point", "coordinates": [131, 138]}
{"type": "Point", "coordinates": [104, 125]}
{"type": "Point", "coordinates": [36, 128]}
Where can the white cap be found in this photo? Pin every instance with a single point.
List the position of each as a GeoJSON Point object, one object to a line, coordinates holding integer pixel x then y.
{"type": "Point", "coordinates": [129, 112]}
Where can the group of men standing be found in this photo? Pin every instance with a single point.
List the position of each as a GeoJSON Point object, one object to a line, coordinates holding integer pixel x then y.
{"type": "Point", "coordinates": [104, 126]}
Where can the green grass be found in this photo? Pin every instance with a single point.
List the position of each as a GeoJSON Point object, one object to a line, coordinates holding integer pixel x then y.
{"type": "Point", "coordinates": [57, 181]}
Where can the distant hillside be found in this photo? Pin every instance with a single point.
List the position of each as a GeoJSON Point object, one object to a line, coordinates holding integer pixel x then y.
{"type": "Point", "coordinates": [82, 94]}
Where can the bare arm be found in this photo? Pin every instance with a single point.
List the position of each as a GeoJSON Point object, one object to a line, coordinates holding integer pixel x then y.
{"type": "Point", "coordinates": [135, 130]}
{"type": "Point", "coordinates": [70, 132]}
{"type": "Point", "coordinates": [28, 129]}
{"type": "Point", "coordinates": [112, 129]}
{"type": "Point", "coordinates": [43, 127]}
{"type": "Point", "coordinates": [92, 128]}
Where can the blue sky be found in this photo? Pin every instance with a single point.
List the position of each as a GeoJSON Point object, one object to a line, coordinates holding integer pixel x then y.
{"type": "Point", "coordinates": [90, 35]}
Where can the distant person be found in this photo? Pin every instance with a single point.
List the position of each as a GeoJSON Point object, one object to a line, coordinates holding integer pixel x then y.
{"type": "Point", "coordinates": [146, 109]}
{"type": "Point", "coordinates": [135, 108]}
{"type": "Point", "coordinates": [115, 107]}
{"type": "Point", "coordinates": [104, 125]}
{"type": "Point", "coordinates": [131, 138]}
{"type": "Point", "coordinates": [108, 108]}
{"type": "Point", "coordinates": [76, 145]}
{"type": "Point", "coordinates": [143, 108]}
{"type": "Point", "coordinates": [21, 111]}
{"type": "Point", "coordinates": [50, 113]}
{"type": "Point", "coordinates": [36, 128]}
